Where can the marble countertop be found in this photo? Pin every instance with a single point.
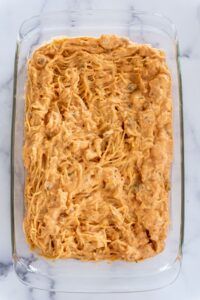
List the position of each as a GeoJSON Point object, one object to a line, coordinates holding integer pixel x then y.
{"type": "Point", "coordinates": [186, 16]}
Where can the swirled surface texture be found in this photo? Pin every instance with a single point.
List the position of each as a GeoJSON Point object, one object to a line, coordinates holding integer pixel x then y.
{"type": "Point", "coordinates": [97, 149]}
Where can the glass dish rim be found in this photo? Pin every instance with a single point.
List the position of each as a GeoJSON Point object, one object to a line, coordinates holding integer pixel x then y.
{"type": "Point", "coordinates": [181, 121]}
{"type": "Point", "coordinates": [157, 15]}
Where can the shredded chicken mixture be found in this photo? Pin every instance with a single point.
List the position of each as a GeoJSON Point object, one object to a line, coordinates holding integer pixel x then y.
{"type": "Point", "coordinates": [97, 149]}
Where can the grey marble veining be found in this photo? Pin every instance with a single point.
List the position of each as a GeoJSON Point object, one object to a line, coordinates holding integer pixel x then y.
{"type": "Point", "coordinates": [5, 268]}
{"type": "Point", "coordinates": [186, 16]}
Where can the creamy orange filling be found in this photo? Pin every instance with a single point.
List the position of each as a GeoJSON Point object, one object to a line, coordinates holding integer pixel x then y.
{"type": "Point", "coordinates": [97, 149]}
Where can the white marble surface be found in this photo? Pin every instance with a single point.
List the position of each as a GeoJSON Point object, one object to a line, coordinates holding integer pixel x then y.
{"type": "Point", "coordinates": [186, 15]}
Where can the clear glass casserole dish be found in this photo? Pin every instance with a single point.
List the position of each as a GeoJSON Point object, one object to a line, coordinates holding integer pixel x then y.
{"type": "Point", "coordinates": [72, 275]}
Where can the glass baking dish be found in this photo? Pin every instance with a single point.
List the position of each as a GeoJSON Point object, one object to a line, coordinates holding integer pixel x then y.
{"type": "Point", "coordinates": [74, 275]}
